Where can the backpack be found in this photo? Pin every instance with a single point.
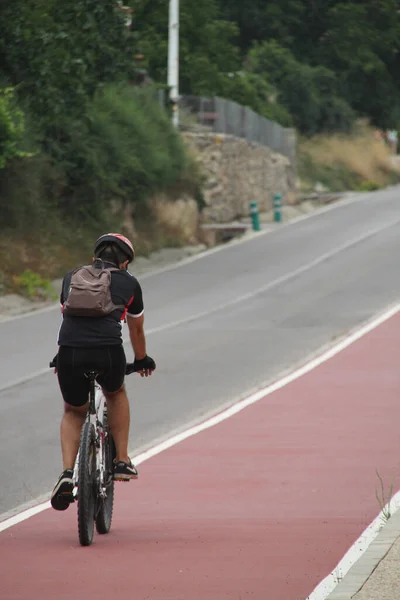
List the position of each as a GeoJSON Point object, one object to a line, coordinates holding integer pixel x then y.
{"type": "Point", "coordinates": [89, 293]}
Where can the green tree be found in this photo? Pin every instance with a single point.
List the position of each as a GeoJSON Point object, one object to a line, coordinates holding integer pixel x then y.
{"type": "Point", "coordinates": [11, 128]}
{"type": "Point", "coordinates": [260, 20]}
{"type": "Point", "coordinates": [59, 53]}
{"type": "Point", "coordinates": [207, 44]}
{"type": "Point", "coordinates": [255, 91]}
{"type": "Point", "coordinates": [362, 45]}
{"type": "Point", "coordinates": [358, 41]}
{"type": "Point", "coordinates": [310, 94]}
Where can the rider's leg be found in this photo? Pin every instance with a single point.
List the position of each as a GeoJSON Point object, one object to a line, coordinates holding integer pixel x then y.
{"type": "Point", "coordinates": [119, 420]}
{"type": "Point", "coordinates": [70, 432]}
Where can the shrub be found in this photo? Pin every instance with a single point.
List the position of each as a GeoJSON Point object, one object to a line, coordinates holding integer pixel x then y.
{"type": "Point", "coordinates": [310, 94]}
{"type": "Point", "coordinates": [11, 127]}
{"type": "Point", "coordinates": [126, 148]}
{"type": "Point", "coordinates": [32, 285]}
{"type": "Point", "coordinates": [369, 186]}
{"type": "Point", "coordinates": [255, 91]}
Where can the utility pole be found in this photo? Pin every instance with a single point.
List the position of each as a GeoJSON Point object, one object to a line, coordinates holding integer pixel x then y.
{"type": "Point", "coordinates": [173, 59]}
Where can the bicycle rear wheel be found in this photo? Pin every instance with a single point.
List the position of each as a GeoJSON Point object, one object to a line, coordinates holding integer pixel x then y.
{"type": "Point", "coordinates": [105, 505]}
{"type": "Point", "coordinates": [87, 491]}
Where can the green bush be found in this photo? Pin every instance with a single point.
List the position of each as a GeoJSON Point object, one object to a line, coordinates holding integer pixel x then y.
{"type": "Point", "coordinates": [58, 53]}
{"type": "Point", "coordinates": [255, 91]}
{"type": "Point", "coordinates": [125, 149]}
{"type": "Point", "coordinates": [11, 127]}
{"type": "Point", "coordinates": [369, 186]}
{"type": "Point", "coordinates": [335, 177]}
{"type": "Point", "coordinates": [32, 285]}
{"type": "Point", "coordinates": [310, 94]}
{"type": "Point", "coordinates": [29, 191]}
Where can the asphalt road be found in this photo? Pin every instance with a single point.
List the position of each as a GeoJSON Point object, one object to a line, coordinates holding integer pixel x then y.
{"type": "Point", "coordinates": [218, 327]}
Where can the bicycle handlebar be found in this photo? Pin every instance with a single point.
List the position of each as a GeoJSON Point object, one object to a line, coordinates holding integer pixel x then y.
{"type": "Point", "coordinates": [130, 367]}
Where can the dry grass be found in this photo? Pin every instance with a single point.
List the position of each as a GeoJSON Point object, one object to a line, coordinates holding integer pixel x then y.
{"type": "Point", "coordinates": [361, 155]}
{"type": "Point", "coordinates": [51, 253]}
{"type": "Point", "coordinates": [50, 259]}
{"type": "Point", "coordinates": [177, 220]}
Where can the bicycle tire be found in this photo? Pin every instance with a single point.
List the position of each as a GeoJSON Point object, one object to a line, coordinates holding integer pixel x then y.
{"type": "Point", "coordinates": [87, 485]}
{"type": "Point", "coordinates": [105, 505]}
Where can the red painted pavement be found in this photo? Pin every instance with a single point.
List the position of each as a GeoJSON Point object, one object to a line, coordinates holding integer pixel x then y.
{"type": "Point", "coordinates": [262, 506]}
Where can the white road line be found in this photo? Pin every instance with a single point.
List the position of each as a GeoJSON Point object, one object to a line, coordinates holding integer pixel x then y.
{"type": "Point", "coordinates": [181, 263]}
{"type": "Point", "coordinates": [275, 282]}
{"type": "Point", "coordinates": [322, 591]}
{"type": "Point", "coordinates": [270, 389]}
{"type": "Point", "coordinates": [234, 301]}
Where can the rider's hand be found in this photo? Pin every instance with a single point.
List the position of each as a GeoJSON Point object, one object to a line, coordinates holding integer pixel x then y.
{"type": "Point", "coordinates": [54, 363]}
{"type": "Point", "coordinates": [145, 366]}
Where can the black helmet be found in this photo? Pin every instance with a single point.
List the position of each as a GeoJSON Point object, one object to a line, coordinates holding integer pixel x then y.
{"type": "Point", "coordinates": [119, 240]}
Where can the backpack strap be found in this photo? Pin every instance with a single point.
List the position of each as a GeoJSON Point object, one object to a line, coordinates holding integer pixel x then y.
{"type": "Point", "coordinates": [123, 316]}
{"type": "Point", "coordinates": [126, 306]}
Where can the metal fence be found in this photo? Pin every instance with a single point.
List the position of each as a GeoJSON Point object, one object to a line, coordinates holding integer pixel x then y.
{"type": "Point", "coordinates": [225, 116]}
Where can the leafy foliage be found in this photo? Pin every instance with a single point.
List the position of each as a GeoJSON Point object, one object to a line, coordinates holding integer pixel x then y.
{"type": "Point", "coordinates": [32, 285]}
{"type": "Point", "coordinates": [308, 93]}
{"type": "Point", "coordinates": [210, 57]}
{"type": "Point", "coordinates": [97, 137]}
{"type": "Point", "coordinates": [125, 149]}
{"type": "Point", "coordinates": [207, 43]}
{"type": "Point", "coordinates": [59, 52]}
{"type": "Point", "coordinates": [358, 41]}
{"type": "Point", "coordinates": [11, 128]}
{"type": "Point", "coordinates": [343, 57]}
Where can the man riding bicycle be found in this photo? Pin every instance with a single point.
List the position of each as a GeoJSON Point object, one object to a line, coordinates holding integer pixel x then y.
{"type": "Point", "coordinates": [94, 343]}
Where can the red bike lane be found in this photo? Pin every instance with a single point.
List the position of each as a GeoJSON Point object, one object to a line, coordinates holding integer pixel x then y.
{"type": "Point", "coordinates": [262, 506]}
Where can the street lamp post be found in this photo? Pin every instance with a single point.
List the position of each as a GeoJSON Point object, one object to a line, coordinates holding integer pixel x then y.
{"type": "Point", "coordinates": [173, 59]}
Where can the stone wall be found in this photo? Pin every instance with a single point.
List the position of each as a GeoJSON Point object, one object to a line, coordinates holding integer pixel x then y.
{"type": "Point", "coordinates": [237, 172]}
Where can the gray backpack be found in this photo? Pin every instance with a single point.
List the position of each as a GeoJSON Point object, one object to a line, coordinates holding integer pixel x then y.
{"type": "Point", "coordinates": [89, 294]}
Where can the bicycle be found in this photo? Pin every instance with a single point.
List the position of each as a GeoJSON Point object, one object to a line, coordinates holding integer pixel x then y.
{"type": "Point", "coordinates": [93, 469]}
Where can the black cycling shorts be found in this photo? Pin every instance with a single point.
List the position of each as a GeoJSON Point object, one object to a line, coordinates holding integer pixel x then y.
{"type": "Point", "coordinates": [73, 363]}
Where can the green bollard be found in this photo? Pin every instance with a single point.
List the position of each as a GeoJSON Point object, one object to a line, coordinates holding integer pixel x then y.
{"type": "Point", "coordinates": [277, 208]}
{"type": "Point", "coordinates": [255, 217]}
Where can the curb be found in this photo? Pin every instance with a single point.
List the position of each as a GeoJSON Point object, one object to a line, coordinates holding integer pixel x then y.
{"type": "Point", "coordinates": [362, 570]}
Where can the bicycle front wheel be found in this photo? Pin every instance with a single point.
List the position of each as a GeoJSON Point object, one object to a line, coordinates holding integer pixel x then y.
{"type": "Point", "coordinates": [87, 491]}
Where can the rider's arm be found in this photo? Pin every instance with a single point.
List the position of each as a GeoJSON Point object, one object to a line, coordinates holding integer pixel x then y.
{"type": "Point", "coordinates": [136, 333]}
{"type": "Point", "coordinates": [135, 319]}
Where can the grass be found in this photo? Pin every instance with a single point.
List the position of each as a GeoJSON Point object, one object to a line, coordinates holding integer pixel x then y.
{"type": "Point", "coordinates": [33, 286]}
{"type": "Point", "coordinates": [384, 499]}
{"type": "Point", "coordinates": [353, 162]}
{"type": "Point", "coordinates": [30, 260]}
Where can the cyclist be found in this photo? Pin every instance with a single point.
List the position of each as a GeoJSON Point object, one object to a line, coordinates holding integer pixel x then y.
{"type": "Point", "coordinates": [95, 343]}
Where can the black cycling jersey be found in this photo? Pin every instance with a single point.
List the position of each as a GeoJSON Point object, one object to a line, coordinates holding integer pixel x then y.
{"type": "Point", "coordinates": [90, 332]}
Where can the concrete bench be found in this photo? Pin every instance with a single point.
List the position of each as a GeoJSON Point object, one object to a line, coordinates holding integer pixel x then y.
{"type": "Point", "coordinates": [219, 233]}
